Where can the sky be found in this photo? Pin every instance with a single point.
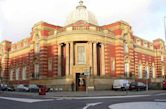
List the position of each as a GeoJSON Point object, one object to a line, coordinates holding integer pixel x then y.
{"type": "Point", "coordinates": [146, 17]}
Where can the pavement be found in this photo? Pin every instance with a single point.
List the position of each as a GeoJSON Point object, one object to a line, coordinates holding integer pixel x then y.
{"type": "Point", "coordinates": [152, 99]}
{"type": "Point", "coordinates": [139, 105]}
{"type": "Point", "coordinates": [86, 94]}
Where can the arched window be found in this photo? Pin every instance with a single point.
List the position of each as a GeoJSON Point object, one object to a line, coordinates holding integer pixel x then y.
{"type": "Point", "coordinates": [147, 72]}
{"type": "Point", "coordinates": [140, 71]}
{"type": "Point", "coordinates": [17, 74]}
{"type": "Point", "coordinates": [113, 65]}
{"type": "Point", "coordinates": [2, 73]}
{"type": "Point", "coordinates": [11, 75]}
{"type": "Point", "coordinates": [163, 71]}
{"type": "Point", "coordinates": [81, 55]}
{"type": "Point", "coordinates": [162, 57]}
{"type": "Point", "coordinates": [37, 48]}
{"type": "Point", "coordinates": [126, 49]}
{"type": "Point", "coordinates": [50, 64]}
{"type": "Point", "coordinates": [127, 69]}
{"type": "Point", "coordinates": [24, 73]}
{"type": "Point", "coordinates": [153, 71]}
{"type": "Point", "coordinates": [36, 74]}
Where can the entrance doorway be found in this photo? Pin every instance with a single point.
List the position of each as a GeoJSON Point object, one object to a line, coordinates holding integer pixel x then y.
{"type": "Point", "coordinates": [80, 82]}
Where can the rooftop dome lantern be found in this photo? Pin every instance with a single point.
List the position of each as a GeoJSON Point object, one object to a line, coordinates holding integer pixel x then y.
{"type": "Point", "coordinates": [81, 13]}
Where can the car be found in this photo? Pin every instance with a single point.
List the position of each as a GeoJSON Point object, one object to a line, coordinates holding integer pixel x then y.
{"type": "Point", "coordinates": [120, 84]}
{"type": "Point", "coordinates": [137, 86]}
{"type": "Point", "coordinates": [33, 88]}
{"type": "Point", "coordinates": [10, 88]}
{"type": "Point", "coordinates": [3, 87]}
{"type": "Point", "coordinates": [164, 84]}
{"type": "Point", "coordinates": [22, 88]}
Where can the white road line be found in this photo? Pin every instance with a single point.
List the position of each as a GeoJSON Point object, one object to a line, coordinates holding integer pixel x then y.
{"type": "Point", "coordinates": [161, 94]}
{"type": "Point", "coordinates": [25, 100]}
{"type": "Point", "coordinates": [100, 97]}
{"type": "Point", "coordinates": [91, 104]}
{"type": "Point", "coordinates": [160, 100]}
{"type": "Point", "coordinates": [138, 105]}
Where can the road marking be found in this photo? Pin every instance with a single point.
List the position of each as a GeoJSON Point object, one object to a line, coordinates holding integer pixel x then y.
{"type": "Point", "coordinates": [91, 104]}
{"type": "Point", "coordinates": [138, 105]}
{"type": "Point", "coordinates": [59, 99]}
{"type": "Point", "coordinates": [160, 100]}
{"type": "Point", "coordinates": [160, 94]}
{"type": "Point", "coordinates": [25, 100]}
{"type": "Point", "coordinates": [100, 97]}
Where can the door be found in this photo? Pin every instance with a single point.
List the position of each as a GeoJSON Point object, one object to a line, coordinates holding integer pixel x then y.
{"type": "Point", "coordinates": [80, 82]}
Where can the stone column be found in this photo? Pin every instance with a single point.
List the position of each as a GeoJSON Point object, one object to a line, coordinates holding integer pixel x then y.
{"type": "Point", "coordinates": [71, 56]}
{"type": "Point", "coordinates": [95, 59]}
{"type": "Point", "coordinates": [67, 59]}
{"type": "Point", "coordinates": [102, 60]}
{"type": "Point", "coordinates": [59, 59]}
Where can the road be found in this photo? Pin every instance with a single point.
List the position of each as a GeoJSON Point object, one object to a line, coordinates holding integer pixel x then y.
{"type": "Point", "coordinates": [101, 102]}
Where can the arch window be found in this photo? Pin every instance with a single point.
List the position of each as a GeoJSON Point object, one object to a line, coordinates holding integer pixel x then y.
{"type": "Point", "coordinates": [17, 74]}
{"type": "Point", "coordinates": [147, 72]}
{"type": "Point", "coordinates": [81, 55]}
{"type": "Point", "coordinates": [140, 71]}
{"type": "Point", "coordinates": [24, 73]}
{"type": "Point", "coordinates": [50, 64]}
{"type": "Point", "coordinates": [127, 69]}
{"type": "Point", "coordinates": [113, 65]}
{"type": "Point", "coordinates": [36, 73]}
{"type": "Point", "coordinates": [37, 48]}
{"type": "Point", "coordinates": [153, 71]}
{"type": "Point", "coordinates": [11, 75]}
{"type": "Point", "coordinates": [162, 57]}
{"type": "Point", "coordinates": [126, 49]}
{"type": "Point", "coordinates": [163, 71]}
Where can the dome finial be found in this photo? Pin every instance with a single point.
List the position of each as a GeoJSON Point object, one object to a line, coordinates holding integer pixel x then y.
{"type": "Point", "coordinates": [80, 5]}
{"type": "Point", "coordinates": [81, 2]}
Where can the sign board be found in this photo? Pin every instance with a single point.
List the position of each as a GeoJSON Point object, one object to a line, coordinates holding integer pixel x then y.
{"type": "Point", "coordinates": [87, 73]}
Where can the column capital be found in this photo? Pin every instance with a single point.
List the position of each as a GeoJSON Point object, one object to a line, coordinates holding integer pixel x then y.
{"type": "Point", "coordinates": [68, 42]}
{"type": "Point", "coordinates": [94, 42]}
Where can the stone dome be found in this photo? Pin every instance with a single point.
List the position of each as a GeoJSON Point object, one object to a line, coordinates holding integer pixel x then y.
{"type": "Point", "coordinates": [81, 13]}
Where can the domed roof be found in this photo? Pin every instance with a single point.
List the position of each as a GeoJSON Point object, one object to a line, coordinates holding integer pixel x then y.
{"type": "Point", "coordinates": [81, 13]}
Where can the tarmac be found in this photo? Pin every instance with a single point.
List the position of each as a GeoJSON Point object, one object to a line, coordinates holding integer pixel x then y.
{"type": "Point", "coordinates": [87, 94]}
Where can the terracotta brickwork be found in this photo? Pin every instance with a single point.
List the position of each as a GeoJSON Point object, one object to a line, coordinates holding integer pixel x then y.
{"type": "Point", "coordinates": [51, 52]}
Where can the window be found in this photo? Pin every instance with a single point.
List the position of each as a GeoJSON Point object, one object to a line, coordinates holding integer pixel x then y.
{"type": "Point", "coordinates": [145, 44]}
{"type": "Point", "coordinates": [50, 64]}
{"type": "Point", "coordinates": [126, 48]}
{"type": "Point", "coordinates": [113, 65]}
{"type": "Point", "coordinates": [37, 48]}
{"type": "Point", "coordinates": [24, 73]}
{"type": "Point", "coordinates": [17, 74]}
{"type": "Point", "coordinates": [138, 41]}
{"type": "Point", "coordinates": [153, 71]}
{"type": "Point", "coordinates": [1, 50]}
{"type": "Point", "coordinates": [163, 73]}
{"type": "Point", "coordinates": [127, 69]}
{"type": "Point", "coordinates": [140, 71]}
{"type": "Point", "coordinates": [151, 46]}
{"type": "Point", "coordinates": [36, 74]}
{"type": "Point", "coordinates": [162, 57]}
{"type": "Point", "coordinates": [81, 55]}
{"type": "Point", "coordinates": [2, 73]}
{"type": "Point", "coordinates": [11, 75]}
{"type": "Point", "coordinates": [147, 72]}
